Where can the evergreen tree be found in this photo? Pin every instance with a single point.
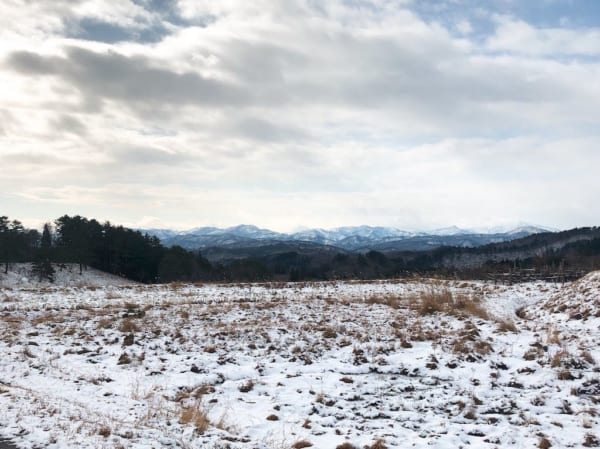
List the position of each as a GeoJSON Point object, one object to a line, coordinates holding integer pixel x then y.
{"type": "Point", "coordinates": [74, 242]}
{"type": "Point", "coordinates": [4, 242]}
{"type": "Point", "coordinates": [13, 244]}
{"type": "Point", "coordinates": [42, 267]}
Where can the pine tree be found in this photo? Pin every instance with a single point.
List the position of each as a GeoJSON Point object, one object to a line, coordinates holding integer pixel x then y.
{"type": "Point", "coordinates": [4, 242]}
{"type": "Point", "coordinates": [42, 267]}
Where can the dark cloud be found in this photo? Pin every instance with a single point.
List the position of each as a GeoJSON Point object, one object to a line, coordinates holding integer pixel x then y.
{"type": "Point", "coordinates": [29, 63]}
{"type": "Point", "coordinates": [70, 124]}
{"type": "Point", "coordinates": [267, 131]}
{"type": "Point", "coordinates": [128, 79]}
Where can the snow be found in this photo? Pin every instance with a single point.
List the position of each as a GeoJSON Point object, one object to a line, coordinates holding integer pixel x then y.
{"type": "Point", "coordinates": [20, 276]}
{"type": "Point", "coordinates": [136, 366]}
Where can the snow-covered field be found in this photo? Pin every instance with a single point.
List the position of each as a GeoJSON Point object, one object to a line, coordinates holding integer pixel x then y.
{"type": "Point", "coordinates": [382, 364]}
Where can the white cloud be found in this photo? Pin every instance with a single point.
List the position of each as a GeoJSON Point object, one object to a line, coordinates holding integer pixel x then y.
{"type": "Point", "coordinates": [288, 113]}
{"type": "Point", "coordinates": [517, 36]}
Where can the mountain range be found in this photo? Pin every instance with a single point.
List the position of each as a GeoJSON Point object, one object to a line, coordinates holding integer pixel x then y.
{"type": "Point", "coordinates": [347, 238]}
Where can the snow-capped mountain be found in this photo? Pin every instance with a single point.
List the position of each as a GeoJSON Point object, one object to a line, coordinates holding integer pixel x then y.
{"type": "Point", "coordinates": [451, 230]}
{"type": "Point", "coordinates": [336, 235]}
{"type": "Point", "coordinates": [513, 228]}
{"type": "Point", "coordinates": [351, 238]}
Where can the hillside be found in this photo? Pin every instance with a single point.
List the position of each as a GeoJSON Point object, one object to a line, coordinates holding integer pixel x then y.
{"type": "Point", "coordinates": [20, 276]}
{"type": "Point", "coordinates": [576, 250]}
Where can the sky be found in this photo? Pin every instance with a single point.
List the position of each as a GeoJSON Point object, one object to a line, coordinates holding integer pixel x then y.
{"type": "Point", "coordinates": [301, 113]}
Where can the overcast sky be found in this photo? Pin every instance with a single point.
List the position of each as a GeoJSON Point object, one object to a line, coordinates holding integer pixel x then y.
{"type": "Point", "coordinates": [415, 114]}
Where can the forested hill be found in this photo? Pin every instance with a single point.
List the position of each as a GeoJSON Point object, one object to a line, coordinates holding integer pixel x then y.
{"type": "Point", "coordinates": [140, 257]}
{"type": "Point", "coordinates": [574, 248]}
{"type": "Point", "coordinates": [113, 249]}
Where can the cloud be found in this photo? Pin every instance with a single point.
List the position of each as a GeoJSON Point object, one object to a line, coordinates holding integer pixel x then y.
{"type": "Point", "coordinates": [517, 36]}
{"type": "Point", "coordinates": [69, 124]}
{"type": "Point", "coordinates": [131, 80]}
{"type": "Point", "coordinates": [296, 112]}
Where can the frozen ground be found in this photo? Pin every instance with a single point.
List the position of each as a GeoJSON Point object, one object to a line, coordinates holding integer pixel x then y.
{"type": "Point", "coordinates": [20, 276]}
{"type": "Point", "coordinates": [382, 364]}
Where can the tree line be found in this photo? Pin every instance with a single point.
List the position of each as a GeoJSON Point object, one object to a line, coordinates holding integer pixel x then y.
{"type": "Point", "coordinates": [114, 249]}
{"type": "Point", "coordinates": [132, 254]}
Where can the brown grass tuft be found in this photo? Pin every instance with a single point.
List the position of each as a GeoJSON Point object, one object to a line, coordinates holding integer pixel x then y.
{"type": "Point", "coordinates": [506, 326]}
{"type": "Point", "coordinates": [346, 445]}
{"type": "Point", "coordinates": [128, 326]}
{"type": "Point", "coordinates": [378, 444]}
{"type": "Point", "coordinates": [444, 301]}
{"type": "Point", "coordinates": [195, 415]}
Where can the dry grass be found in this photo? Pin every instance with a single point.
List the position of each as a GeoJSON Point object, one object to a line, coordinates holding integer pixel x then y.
{"type": "Point", "coordinates": [505, 326]}
{"type": "Point", "coordinates": [587, 356]}
{"type": "Point", "coordinates": [104, 323]}
{"type": "Point", "coordinates": [395, 302]}
{"type": "Point", "coordinates": [346, 445]}
{"type": "Point", "coordinates": [301, 444]}
{"type": "Point", "coordinates": [128, 325]}
{"type": "Point", "coordinates": [469, 341]}
{"type": "Point", "coordinates": [558, 358]}
{"type": "Point", "coordinates": [553, 337]}
{"type": "Point", "coordinates": [444, 301]}
{"type": "Point", "coordinates": [195, 415]}
{"type": "Point", "coordinates": [49, 318]}
{"type": "Point", "coordinates": [434, 302]}
{"type": "Point", "coordinates": [378, 444]}
{"type": "Point", "coordinates": [104, 431]}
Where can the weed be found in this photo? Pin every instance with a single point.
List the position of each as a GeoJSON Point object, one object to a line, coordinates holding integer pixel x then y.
{"type": "Point", "coordinates": [195, 415]}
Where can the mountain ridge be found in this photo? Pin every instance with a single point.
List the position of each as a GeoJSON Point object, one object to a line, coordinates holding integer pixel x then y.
{"type": "Point", "coordinates": [350, 238]}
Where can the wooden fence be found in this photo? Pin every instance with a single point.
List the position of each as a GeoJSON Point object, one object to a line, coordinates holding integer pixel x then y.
{"type": "Point", "coordinates": [531, 275]}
